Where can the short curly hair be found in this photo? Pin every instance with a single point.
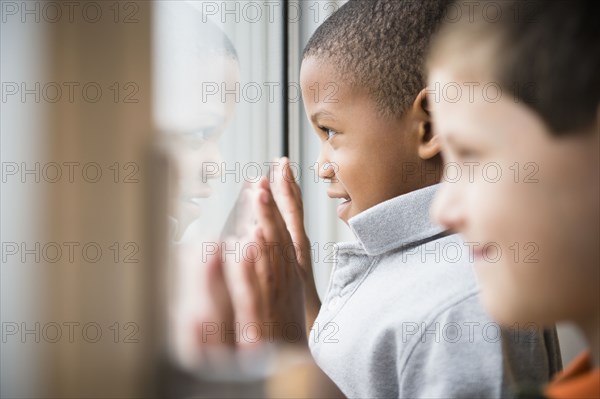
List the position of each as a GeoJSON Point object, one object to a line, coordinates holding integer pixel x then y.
{"type": "Point", "coordinates": [380, 46]}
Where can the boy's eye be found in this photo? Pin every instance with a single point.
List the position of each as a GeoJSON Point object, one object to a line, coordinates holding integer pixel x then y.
{"type": "Point", "coordinates": [329, 132]}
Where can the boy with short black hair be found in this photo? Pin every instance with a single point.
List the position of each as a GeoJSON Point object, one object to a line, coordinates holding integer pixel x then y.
{"type": "Point", "coordinates": [545, 57]}
{"type": "Point", "coordinates": [402, 301]}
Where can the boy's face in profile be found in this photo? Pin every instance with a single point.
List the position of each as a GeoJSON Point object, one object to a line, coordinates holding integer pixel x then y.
{"type": "Point", "coordinates": [367, 154]}
{"type": "Point", "coordinates": [526, 200]}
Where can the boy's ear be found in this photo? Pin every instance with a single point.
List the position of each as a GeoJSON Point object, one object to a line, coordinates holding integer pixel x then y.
{"type": "Point", "coordinates": [428, 143]}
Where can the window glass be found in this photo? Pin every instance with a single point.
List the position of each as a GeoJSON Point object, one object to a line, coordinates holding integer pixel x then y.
{"type": "Point", "coordinates": [218, 111]}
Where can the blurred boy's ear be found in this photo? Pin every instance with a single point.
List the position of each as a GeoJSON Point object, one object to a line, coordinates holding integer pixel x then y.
{"type": "Point", "coordinates": [429, 146]}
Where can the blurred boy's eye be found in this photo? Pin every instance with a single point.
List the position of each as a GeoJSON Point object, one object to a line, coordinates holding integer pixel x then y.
{"type": "Point", "coordinates": [460, 150]}
{"type": "Point", "coordinates": [466, 154]}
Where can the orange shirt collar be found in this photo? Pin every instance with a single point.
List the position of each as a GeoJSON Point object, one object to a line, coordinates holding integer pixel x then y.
{"type": "Point", "coordinates": [578, 380]}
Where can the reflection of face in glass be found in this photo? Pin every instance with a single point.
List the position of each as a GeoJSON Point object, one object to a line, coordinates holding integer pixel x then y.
{"type": "Point", "coordinates": [195, 155]}
{"type": "Point", "coordinates": [192, 54]}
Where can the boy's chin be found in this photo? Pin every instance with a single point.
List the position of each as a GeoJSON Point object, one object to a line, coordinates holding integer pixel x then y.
{"type": "Point", "coordinates": [498, 310]}
{"type": "Point", "coordinates": [505, 311]}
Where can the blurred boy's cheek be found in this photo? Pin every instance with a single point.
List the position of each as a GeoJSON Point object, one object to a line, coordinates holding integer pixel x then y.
{"type": "Point", "coordinates": [537, 223]}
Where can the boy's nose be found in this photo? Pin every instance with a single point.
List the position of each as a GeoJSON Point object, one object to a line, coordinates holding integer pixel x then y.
{"type": "Point", "coordinates": [445, 209]}
{"type": "Point", "coordinates": [326, 168]}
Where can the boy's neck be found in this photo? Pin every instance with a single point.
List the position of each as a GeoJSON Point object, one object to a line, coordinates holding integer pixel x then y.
{"type": "Point", "coordinates": [423, 180]}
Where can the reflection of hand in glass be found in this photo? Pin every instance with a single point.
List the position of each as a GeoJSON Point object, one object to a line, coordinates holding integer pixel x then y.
{"type": "Point", "coordinates": [219, 302]}
{"type": "Point", "coordinates": [202, 298]}
{"type": "Point", "coordinates": [250, 279]}
{"type": "Point", "coordinates": [241, 221]}
{"type": "Point", "coordinates": [216, 305]}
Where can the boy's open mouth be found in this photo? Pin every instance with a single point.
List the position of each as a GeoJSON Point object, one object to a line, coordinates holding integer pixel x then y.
{"type": "Point", "coordinates": [344, 197]}
{"type": "Point", "coordinates": [342, 208]}
{"type": "Point", "coordinates": [345, 203]}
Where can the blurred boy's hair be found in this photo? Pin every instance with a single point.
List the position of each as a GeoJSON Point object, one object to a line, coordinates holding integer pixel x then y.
{"type": "Point", "coordinates": [545, 53]}
{"type": "Point", "coordinates": [380, 45]}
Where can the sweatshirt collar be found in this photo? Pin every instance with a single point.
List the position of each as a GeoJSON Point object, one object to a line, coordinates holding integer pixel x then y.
{"type": "Point", "coordinates": [396, 223]}
{"type": "Point", "coordinates": [578, 380]}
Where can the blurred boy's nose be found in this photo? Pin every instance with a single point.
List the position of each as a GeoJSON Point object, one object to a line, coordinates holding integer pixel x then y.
{"type": "Point", "coordinates": [446, 208]}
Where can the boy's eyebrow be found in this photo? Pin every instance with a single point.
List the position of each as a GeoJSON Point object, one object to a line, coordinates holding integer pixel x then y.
{"type": "Point", "coordinates": [321, 114]}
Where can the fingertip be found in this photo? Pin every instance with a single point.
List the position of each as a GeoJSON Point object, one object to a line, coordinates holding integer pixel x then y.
{"type": "Point", "coordinates": [264, 197]}
{"type": "Point", "coordinates": [280, 164]}
{"type": "Point", "coordinates": [264, 183]}
{"type": "Point", "coordinates": [259, 233]}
